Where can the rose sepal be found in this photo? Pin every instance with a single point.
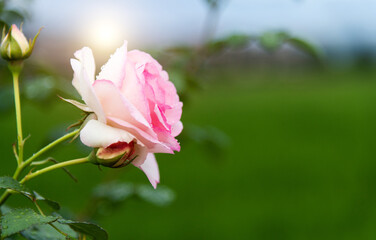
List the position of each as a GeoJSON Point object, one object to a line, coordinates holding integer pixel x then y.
{"type": "Point", "coordinates": [116, 155]}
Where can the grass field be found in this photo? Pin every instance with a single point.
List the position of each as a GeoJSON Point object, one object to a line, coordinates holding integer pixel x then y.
{"type": "Point", "coordinates": [301, 163]}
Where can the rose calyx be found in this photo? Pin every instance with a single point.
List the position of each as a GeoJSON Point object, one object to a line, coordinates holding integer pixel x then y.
{"type": "Point", "coordinates": [116, 155]}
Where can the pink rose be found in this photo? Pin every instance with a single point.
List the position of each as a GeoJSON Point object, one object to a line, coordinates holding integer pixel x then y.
{"type": "Point", "coordinates": [133, 101]}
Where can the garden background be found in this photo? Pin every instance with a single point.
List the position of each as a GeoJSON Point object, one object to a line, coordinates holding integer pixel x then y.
{"type": "Point", "coordinates": [279, 115]}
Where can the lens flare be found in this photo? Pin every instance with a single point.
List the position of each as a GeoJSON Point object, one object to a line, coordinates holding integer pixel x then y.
{"type": "Point", "coordinates": [105, 34]}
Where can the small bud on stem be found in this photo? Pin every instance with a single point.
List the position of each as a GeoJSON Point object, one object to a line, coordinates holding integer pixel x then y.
{"type": "Point", "coordinates": [116, 155]}
{"type": "Point", "coordinates": [14, 45]}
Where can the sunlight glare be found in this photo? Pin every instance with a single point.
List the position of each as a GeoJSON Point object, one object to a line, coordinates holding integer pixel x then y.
{"type": "Point", "coordinates": [106, 34]}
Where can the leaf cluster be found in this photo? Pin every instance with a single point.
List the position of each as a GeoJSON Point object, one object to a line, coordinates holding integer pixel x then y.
{"type": "Point", "coordinates": [25, 223]}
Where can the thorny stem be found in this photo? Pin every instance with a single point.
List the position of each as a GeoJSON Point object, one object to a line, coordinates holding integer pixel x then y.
{"type": "Point", "coordinates": [23, 165]}
{"type": "Point", "coordinates": [53, 167]}
{"type": "Point", "coordinates": [49, 146]}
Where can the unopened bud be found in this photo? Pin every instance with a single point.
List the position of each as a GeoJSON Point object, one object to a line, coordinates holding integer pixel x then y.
{"type": "Point", "coordinates": [14, 45]}
{"type": "Point", "coordinates": [116, 155]}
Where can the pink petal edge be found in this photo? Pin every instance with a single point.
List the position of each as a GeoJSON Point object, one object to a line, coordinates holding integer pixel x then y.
{"type": "Point", "coordinates": [151, 170]}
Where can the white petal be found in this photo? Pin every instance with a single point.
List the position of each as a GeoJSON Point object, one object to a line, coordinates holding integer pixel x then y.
{"type": "Point", "coordinates": [98, 134]}
{"type": "Point", "coordinates": [20, 39]}
{"type": "Point", "coordinates": [150, 168]}
{"type": "Point", "coordinates": [85, 56]}
{"type": "Point", "coordinates": [114, 69]}
{"type": "Point", "coordinates": [83, 78]}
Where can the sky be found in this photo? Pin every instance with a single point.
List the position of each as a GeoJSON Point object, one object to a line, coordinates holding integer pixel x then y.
{"type": "Point", "coordinates": [337, 24]}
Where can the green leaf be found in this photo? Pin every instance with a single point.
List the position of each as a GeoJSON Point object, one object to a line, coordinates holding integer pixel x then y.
{"type": "Point", "coordinates": [5, 209]}
{"type": "Point", "coordinates": [162, 196]}
{"type": "Point", "coordinates": [47, 232]}
{"type": "Point", "coordinates": [20, 219]}
{"type": "Point", "coordinates": [90, 229]}
{"type": "Point", "coordinates": [54, 205]}
{"type": "Point", "coordinates": [9, 183]}
{"type": "Point", "coordinates": [15, 237]}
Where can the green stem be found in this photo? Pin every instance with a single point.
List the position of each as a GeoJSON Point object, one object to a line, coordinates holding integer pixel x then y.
{"type": "Point", "coordinates": [49, 146]}
{"type": "Point", "coordinates": [15, 74]}
{"type": "Point", "coordinates": [43, 150]}
{"type": "Point", "coordinates": [15, 68]}
{"type": "Point", "coordinates": [7, 193]}
{"type": "Point", "coordinates": [22, 166]}
{"type": "Point", "coordinates": [5, 196]}
{"type": "Point", "coordinates": [53, 167]}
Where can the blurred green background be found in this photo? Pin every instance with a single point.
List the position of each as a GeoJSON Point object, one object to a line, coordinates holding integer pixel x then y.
{"type": "Point", "coordinates": [272, 148]}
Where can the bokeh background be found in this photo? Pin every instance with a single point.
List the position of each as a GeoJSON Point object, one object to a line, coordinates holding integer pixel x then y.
{"type": "Point", "coordinates": [279, 115]}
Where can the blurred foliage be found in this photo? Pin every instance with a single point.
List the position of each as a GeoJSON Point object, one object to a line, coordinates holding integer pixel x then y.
{"type": "Point", "coordinates": [213, 140]}
{"type": "Point", "coordinates": [272, 41]}
{"type": "Point", "coordinates": [186, 66]}
{"type": "Point", "coordinates": [9, 15]}
{"type": "Point", "coordinates": [40, 84]}
{"type": "Point", "coordinates": [107, 197]}
{"type": "Point", "coordinates": [32, 225]}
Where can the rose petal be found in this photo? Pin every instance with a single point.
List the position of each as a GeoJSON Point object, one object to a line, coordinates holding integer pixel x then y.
{"type": "Point", "coordinates": [142, 58]}
{"type": "Point", "coordinates": [141, 152]}
{"type": "Point", "coordinates": [82, 81]}
{"type": "Point", "coordinates": [116, 105]}
{"type": "Point", "coordinates": [114, 69]}
{"type": "Point", "coordinates": [20, 38]}
{"type": "Point", "coordinates": [160, 120]}
{"type": "Point", "coordinates": [133, 89]}
{"type": "Point", "coordinates": [173, 115]}
{"type": "Point", "coordinates": [169, 140]}
{"type": "Point", "coordinates": [97, 134]}
{"type": "Point", "coordinates": [176, 129]}
{"type": "Point", "coordinates": [85, 56]}
{"type": "Point", "coordinates": [148, 138]}
{"type": "Point", "coordinates": [150, 168]}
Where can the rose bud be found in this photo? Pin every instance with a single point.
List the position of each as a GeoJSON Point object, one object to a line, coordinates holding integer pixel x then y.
{"type": "Point", "coordinates": [116, 155]}
{"type": "Point", "coordinates": [14, 45]}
